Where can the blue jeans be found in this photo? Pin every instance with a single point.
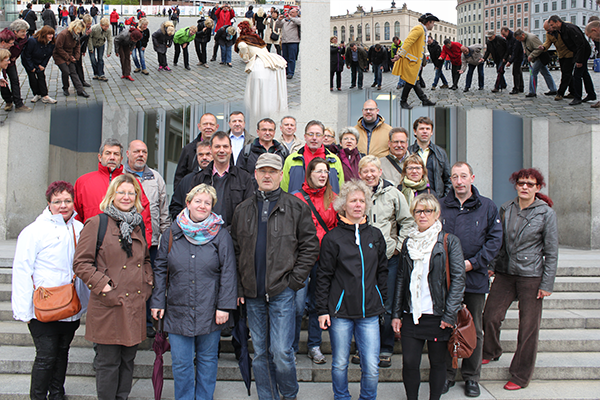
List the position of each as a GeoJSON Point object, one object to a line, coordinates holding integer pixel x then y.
{"type": "Point", "coordinates": [225, 54]}
{"type": "Point", "coordinates": [539, 67]}
{"type": "Point", "coordinates": [470, 75]}
{"type": "Point", "coordinates": [95, 18]}
{"type": "Point", "coordinates": [97, 60]}
{"type": "Point", "coordinates": [377, 74]}
{"type": "Point", "coordinates": [65, 21]}
{"type": "Point", "coordinates": [306, 297]}
{"type": "Point", "coordinates": [356, 70]}
{"type": "Point", "coordinates": [204, 348]}
{"type": "Point", "coordinates": [141, 63]}
{"type": "Point", "coordinates": [387, 333]}
{"type": "Point", "coordinates": [439, 73]}
{"type": "Point", "coordinates": [366, 333]}
{"type": "Point", "coordinates": [290, 53]}
{"type": "Point", "coordinates": [272, 328]}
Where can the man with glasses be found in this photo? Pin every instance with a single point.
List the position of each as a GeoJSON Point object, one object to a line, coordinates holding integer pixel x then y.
{"type": "Point", "coordinates": [392, 164]}
{"type": "Point", "coordinates": [475, 220]}
{"type": "Point", "coordinates": [294, 170]}
{"type": "Point", "coordinates": [373, 131]}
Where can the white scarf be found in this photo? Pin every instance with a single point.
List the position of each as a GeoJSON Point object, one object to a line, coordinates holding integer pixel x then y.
{"type": "Point", "coordinates": [418, 245]}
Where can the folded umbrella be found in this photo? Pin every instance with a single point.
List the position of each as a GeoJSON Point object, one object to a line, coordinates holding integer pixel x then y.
{"type": "Point", "coordinates": [160, 346]}
{"type": "Point", "coordinates": [241, 334]}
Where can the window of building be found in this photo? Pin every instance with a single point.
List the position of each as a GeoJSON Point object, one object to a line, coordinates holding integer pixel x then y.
{"type": "Point", "coordinates": [584, 3]}
{"type": "Point", "coordinates": [504, 23]}
{"type": "Point", "coordinates": [492, 12]}
{"type": "Point", "coordinates": [479, 17]}
{"type": "Point", "coordinates": [518, 8]}
{"type": "Point", "coordinates": [518, 22]}
{"type": "Point", "coordinates": [397, 28]}
{"type": "Point", "coordinates": [469, 42]}
{"type": "Point", "coordinates": [504, 9]}
{"type": "Point", "coordinates": [512, 9]}
{"type": "Point", "coordinates": [480, 6]}
{"type": "Point", "coordinates": [497, 25]}
{"type": "Point", "coordinates": [359, 33]}
{"type": "Point", "coordinates": [351, 33]}
{"type": "Point", "coordinates": [526, 22]}
{"type": "Point", "coordinates": [386, 31]}
{"type": "Point", "coordinates": [367, 32]}
{"type": "Point", "coordinates": [469, 18]}
{"type": "Point", "coordinates": [377, 32]}
{"type": "Point", "coordinates": [563, 4]}
{"type": "Point", "coordinates": [486, 26]}
{"type": "Point", "coordinates": [584, 20]}
{"type": "Point", "coordinates": [573, 3]}
{"type": "Point", "coordinates": [486, 2]}
{"type": "Point", "coordinates": [343, 34]}
{"type": "Point", "coordinates": [498, 11]}
{"type": "Point", "coordinates": [479, 28]}
{"type": "Point", "coordinates": [573, 19]}
{"type": "Point", "coordinates": [487, 13]}
{"type": "Point", "coordinates": [536, 24]}
{"type": "Point", "coordinates": [554, 6]}
{"type": "Point", "coordinates": [469, 29]}
{"type": "Point", "coordinates": [537, 8]}
{"type": "Point", "coordinates": [511, 24]}
{"type": "Point", "coordinates": [526, 7]}
{"type": "Point", "coordinates": [445, 29]}
{"type": "Point", "coordinates": [335, 31]}
{"type": "Point", "coordinates": [545, 7]}
{"type": "Point", "coordinates": [469, 7]}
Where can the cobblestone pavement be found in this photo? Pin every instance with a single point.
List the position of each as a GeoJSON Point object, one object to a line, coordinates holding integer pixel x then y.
{"type": "Point", "coordinates": [218, 83]}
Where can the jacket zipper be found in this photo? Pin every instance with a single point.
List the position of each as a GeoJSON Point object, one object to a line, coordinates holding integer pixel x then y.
{"type": "Point", "coordinates": [380, 297]}
{"type": "Point", "coordinates": [362, 262]}
{"type": "Point", "coordinates": [339, 304]}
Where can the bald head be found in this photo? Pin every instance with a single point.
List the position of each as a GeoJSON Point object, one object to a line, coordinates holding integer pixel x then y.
{"type": "Point", "coordinates": [464, 49]}
{"type": "Point", "coordinates": [370, 111]}
{"type": "Point", "coordinates": [137, 155]}
{"type": "Point", "coordinates": [592, 30]}
{"type": "Point", "coordinates": [547, 26]}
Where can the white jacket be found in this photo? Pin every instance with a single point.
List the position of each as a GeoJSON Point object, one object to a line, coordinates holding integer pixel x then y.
{"type": "Point", "coordinates": [44, 257]}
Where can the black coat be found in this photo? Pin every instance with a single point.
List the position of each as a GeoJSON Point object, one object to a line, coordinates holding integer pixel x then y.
{"type": "Point", "coordinates": [496, 48]}
{"type": "Point", "coordinates": [477, 224]}
{"type": "Point", "coordinates": [336, 58]}
{"type": "Point", "coordinates": [256, 149]}
{"type": "Point", "coordinates": [221, 37]}
{"type": "Point", "coordinates": [446, 304]}
{"type": "Point", "coordinates": [514, 50]}
{"type": "Point", "coordinates": [49, 18]}
{"type": "Point", "coordinates": [161, 41]}
{"type": "Point", "coordinates": [377, 57]}
{"type": "Point", "coordinates": [143, 42]}
{"type": "Point", "coordinates": [202, 36]}
{"type": "Point", "coordinates": [352, 280]}
{"type": "Point", "coordinates": [575, 41]}
{"type": "Point", "coordinates": [30, 17]}
{"type": "Point", "coordinates": [35, 54]}
{"type": "Point", "coordinates": [188, 162]}
{"type": "Point", "coordinates": [435, 51]}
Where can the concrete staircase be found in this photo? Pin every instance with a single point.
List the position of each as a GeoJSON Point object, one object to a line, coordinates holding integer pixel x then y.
{"type": "Point", "coordinates": [569, 346]}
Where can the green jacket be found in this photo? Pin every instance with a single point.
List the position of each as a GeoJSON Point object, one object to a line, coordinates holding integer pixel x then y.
{"type": "Point", "coordinates": [183, 36]}
{"type": "Point", "coordinates": [294, 171]}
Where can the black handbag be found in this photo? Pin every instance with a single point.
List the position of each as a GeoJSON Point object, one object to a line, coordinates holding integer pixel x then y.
{"type": "Point", "coordinates": [274, 37]}
{"type": "Point", "coordinates": [544, 57]}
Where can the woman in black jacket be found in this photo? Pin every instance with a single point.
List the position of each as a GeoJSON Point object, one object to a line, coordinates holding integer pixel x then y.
{"type": "Point", "coordinates": [35, 58]}
{"type": "Point", "coordinates": [352, 288]}
{"type": "Point", "coordinates": [202, 37]}
{"type": "Point", "coordinates": [424, 308]}
{"type": "Point", "coordinates": [48, 16]}
{"type": "Point", "coordinates": [336, 60]}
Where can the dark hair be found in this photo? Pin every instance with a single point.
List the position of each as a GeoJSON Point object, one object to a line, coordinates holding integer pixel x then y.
{"type": "Point", "coordinates": [268, 120]}
{"type": "Point", "coordinates": [555, 18]}
{"type": "Point", "coordinates": [203, 143]}
{"type": "Point", "coordinates": [447, 41]}
{"type": "Point", "coordinates": [329, 194]}
{"type": "Point", "coordinates": [422, 120]}
{"type": "Point", "coordinates": [378, 46]}
{"type": "Point", "coordinates": [314, 122]}
{"type": "Point", "coordinates": [58, 187]}
{"type": "Point", "coordinates": [396, 130]}
{"type": "Point", "coordinates": [395, 38]}
{"type": "Point", "coordinates": [219, 135]}
{"type": "Point", "coordinates": [47, 5]}
{"type": "Point", "coordinates": [462, 164]}
{"type": "Point", "coordinates": [6, 35]}
{"type": "Point", "coordinates": [504, 29]}
{"type": "Point", "coordinates": [42, 35]}
{"type": "Point", "coordinates": [535, 174]}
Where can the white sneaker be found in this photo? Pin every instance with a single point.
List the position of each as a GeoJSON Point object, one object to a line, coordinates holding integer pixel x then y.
{"type": "Point", "coordinates": [48, 100]}
{"type": "Point", "coordinates": [36, 98]}
{"type": "Point", "coordinates": [316, 355]}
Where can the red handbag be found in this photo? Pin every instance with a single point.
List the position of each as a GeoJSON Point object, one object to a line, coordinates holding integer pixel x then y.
{"type": "Point", "coordinates": [463, 340]}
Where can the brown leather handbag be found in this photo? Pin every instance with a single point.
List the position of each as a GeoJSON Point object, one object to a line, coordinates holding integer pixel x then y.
{"type": "Point", "coordinates": [463, 340]}
{"type": "Point", "coordinates": [56, 303]}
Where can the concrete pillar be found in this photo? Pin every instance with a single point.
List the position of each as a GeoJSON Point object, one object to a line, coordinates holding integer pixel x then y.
{"type": "Point", "coordinates": [119, 123]}
{"type": "Point", "coordinates": [595, 187]}
{"type": "Point", "coordinates": [479, 147]}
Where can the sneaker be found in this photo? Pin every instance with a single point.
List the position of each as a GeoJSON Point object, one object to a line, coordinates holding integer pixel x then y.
{"type": "Point", "coordinates": [385, 361]}
{"type": "Point", "coordinates": [145, 72]}
{"type": "Point", "coordinates": [135, 71]}
{"type": "Point", "coordinates": [379, 87]}
{"type": "Point", "coordinates": [23, 108]}
{"type": "Point", "coordinates": [355, 358]}
{"type": "Point", "coordinates": [36, 98]}
{"type": "Point", "coordinates": [597, 105]}
{"type": "Point", "coordinates": [373, 85]}
{"type": "Point", "coordinates": [95, 77]}
{"type": "Point", "coordinates": [433, 88]}
{"type": "Point", "coordinates": [444, 86]}
{"type": "Point", "coordinates": [206, 65]}
{"type": "Point", "coordinates": [48, 100]}
{"type": "Point", "coordinates": [167, 68]}
{"type": "Point", "coordinates": [316, 355]}
{"type": "Point", "coordinates": [103, 78]}
{"type": "Point", "coordinates": [8, 107]}
{"type": "Point", "coordinates": [160, 68]}
{"type": "Point", "coordinates": [558, 97]}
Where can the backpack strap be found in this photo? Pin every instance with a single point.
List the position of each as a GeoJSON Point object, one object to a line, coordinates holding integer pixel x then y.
{"type": "Point", "coordinates": [447, 261]}
{"type": "Point", "coordinates": [101, 231]}
{"type": "Point", "coordinates": [314, 210]}
{"type": "Point", "coordinates": [247, 149]}
{"type": "Point", "coordinates": [394, 164]}
{"type": "Point", "coordinates": [170, 241]}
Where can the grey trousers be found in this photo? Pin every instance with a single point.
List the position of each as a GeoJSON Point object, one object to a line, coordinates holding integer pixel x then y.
{"type": "Point", "coordinates": [114, 371]}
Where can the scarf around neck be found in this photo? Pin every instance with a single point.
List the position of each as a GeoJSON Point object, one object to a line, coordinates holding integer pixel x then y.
{"type": "Point", "coordinates": [202, 232]}
{"type": "Point", "coordinates": [127, 221]}
{"type": "Point", "coordinates": [350, 160]}
{"type": "Point", "coordinates": [410, 188]}
{"type": "Point", "coordinates": [419, 245]}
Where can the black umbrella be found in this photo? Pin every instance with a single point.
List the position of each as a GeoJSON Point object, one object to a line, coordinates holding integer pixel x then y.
{"type": "Point", "coordinates": [241, 334]}
{"type": "Point", "coordinates": [160, 346]}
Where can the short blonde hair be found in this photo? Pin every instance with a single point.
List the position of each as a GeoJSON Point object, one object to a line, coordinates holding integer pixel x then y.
{"type": "Point", "coordinates": [231, 30]}
{"type": "Point", "coordinates": [143, 22]}
{"type": "Point", "coordinates": [330, 130]}
{"type": "Point", "coordinates": [426, 199]}
{"type": "Point", "coordinates": [370, 159]}
{"type": "Point", "coordinates": [170, 30]}
{"type": "Point", "coordinates": [193, 29]}
{"type": "Point", "coordinates": [350, 187]}
{"type": "Point", "coordinates": [76, 26]}
{"type": "Point", "coordinates": [4, 54]}
{"type": "Point", "coordinates": [111, 192]}
{"type": "Point", "coordinates": [202, 188]}
{"type": "Point", "coordinates": [209, 23]}
{"type": "Point", "coordinates": [104, 21]}
{"type": "Point", "coordinates": [87, 19]}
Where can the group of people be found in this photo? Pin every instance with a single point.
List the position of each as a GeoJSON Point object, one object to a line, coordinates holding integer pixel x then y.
{"type": "Point", "coordinates": [359, 235]}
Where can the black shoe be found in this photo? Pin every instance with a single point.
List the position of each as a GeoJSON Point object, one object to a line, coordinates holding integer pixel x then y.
{"type": "Point", "coordinates": [576, 102]}
{"type": "Point", "coordinates": [187, 67]}
{"type": "Point", "coordinates": [83, 94]}
{"type": "Point", "coordinates": [447, 385]}
{"type": "Point", "coordinates": [174, 64]}
{"type": "Point", "coordinates": [213, 59]}
{"type": "Point", "coordinates": [423, 85]}
{"type": "Point", "coordinates": [466, 90]}
{"type": "Point", "coordinates": [481, 88]}
{"type": "Point", "coordinates": [589, 98]}
{"type": "Point", "coordinates": [373, 85]}
{"type": "Point", "coordinates": [360, 88]}
{"type": "Point", "coordinates": [150, 332]}
{"type": "Point", "coordinates": [352, 87]}
{"type": "Point", "coordinates": [405, 105]}
{"type": "Point", "coordinates": [513, 92]}
{"type": "Point", "coordinates": [569, 96]}
{"type": "Point", "coordinates": [428, 102]}
{"type": "Point", "coordinates": [550, 93]}
{"type": "Point", "coordinates": [472, 389]}
{"type": "Point", "coordinates": [355, 359]}
{"type": "Point", "coordinates": [66, 92]}
{"type": "Point", "coordinates": [453, 87]}
{"type": "Point", "coordinates": [494, 90]}
{"type": "Point", "coordinates": [86, 84]}
{"type": "Point", "coordinates": [531, 95]}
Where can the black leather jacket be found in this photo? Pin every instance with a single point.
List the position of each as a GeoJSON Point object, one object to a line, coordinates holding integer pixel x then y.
{"type": "Point", "coordinates": [445, 304]}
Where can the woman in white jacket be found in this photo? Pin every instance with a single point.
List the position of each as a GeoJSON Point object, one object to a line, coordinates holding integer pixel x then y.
{"type": "Point", "coordinates": [44, 257]}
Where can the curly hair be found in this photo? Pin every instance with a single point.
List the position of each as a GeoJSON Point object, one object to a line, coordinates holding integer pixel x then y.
{"type": "Point", "coordinates": [57, 187]}
{"type": "Point", "coordinates": [532, 173]}
{"type": "Point", "coordinates": [350, 187]}
{"type": "Point", "coordinates": [248, 36]}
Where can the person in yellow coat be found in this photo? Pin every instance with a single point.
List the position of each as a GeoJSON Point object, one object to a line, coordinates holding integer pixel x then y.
{"type": "Point", "coordinates": [407, 62]}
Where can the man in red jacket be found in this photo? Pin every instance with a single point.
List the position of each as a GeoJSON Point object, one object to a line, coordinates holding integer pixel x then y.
{"type": "Point", "coordinates": [91, 187]}
{"type": "Point", "coordinates": [451, 51]}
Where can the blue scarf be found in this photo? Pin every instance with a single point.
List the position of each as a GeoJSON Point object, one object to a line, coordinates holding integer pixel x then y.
{"type": "Point", "coordinates": [202, 232]}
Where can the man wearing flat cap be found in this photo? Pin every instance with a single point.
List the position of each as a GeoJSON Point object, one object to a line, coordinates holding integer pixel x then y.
{"type": "Point", "coordinates": [409, 59]}
{"type": "Point", "coordinates": [276, 246]}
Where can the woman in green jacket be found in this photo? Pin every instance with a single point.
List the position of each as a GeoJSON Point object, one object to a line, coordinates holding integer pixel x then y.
{"type": "Point", "coordinates": [182, 39]}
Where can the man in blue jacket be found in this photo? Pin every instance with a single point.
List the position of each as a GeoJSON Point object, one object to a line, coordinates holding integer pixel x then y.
{"type": "Point", "coordinates": [475, 220]}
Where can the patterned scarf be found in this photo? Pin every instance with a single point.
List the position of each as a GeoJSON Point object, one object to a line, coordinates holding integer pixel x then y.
{"type": "Point", "coordinates": [420, 244]}
{"type": "Point", "coordinates": [127, 221]}
{"type": "Point", "coordinates": [202, 232]}
{"type": "Point", "coordinates": [410, 188]}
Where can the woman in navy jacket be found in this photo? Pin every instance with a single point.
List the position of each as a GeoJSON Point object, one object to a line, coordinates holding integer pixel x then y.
{"type": "Point", "coordinates": [35, 58]}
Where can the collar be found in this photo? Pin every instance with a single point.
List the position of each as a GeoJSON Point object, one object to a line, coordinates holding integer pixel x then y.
{"type": "Point", "coordinates": [233, 137]}
{"type": "Point", "coordinates": [216, 172]}
{"type": "Point", "coordinates": [107, 171]}
{"type": "Point", "coordinates": [146, 174]}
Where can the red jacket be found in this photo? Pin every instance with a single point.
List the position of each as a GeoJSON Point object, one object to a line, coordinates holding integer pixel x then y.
{"type": "Point", "coordinates": [223, 17]}
{"type": "Point", "coordinates": [329, 216]}
{"type": "Point", "coordinates": [114, 17]}
{"type": "Point", "coordinates": [453, 54]}
{"type": "Point", "coordinates": [90, 190]}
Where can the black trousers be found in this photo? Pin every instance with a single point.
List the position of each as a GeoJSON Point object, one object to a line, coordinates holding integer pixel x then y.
{"type": "Point", "coordinates": [338, 79]}
{"type": "Point", "coordinates": [79, 69]}
{"type": "Point", "coordinates": [114, 371]}
{"type": "Point", "coordinates": [52, 341]}
{"type": "Point", "coordinates": [186, 55]}
{"type": "Point", "coordinates": [418, 91]}
{"type": "Point", "coordinates": [215, 49]}
{"type": "Point", "coordinates": [162, 59]}
{"type": "Point", "coordinates": [455, 74]}
{"type": "Point", "coordinates": [70, 71]}
{"type": "Point", "coordinates": [14, 94]}
{"type": "Point", "coordinates": [566, 74]}
{"type": "Point", "coordinates": [412, 350]}
{"type": "Point", "coordinates": [517, 73]}
{"type": "Point", "coordinates": [200, 51]}
{"type": "Point", "coordinates": [37, 82]}
{"type": "Point", "coordinates": [277, 48]}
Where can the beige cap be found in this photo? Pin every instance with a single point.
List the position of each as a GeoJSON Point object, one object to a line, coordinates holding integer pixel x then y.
{"type": "Point", "coordinates": [269, 160]}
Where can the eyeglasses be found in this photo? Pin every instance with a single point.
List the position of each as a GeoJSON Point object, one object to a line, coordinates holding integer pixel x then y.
{"type": "Point", "coordinates": [329, 136]}
{"type": "Point", "coordinates": [319, 135]}
{"type": "Point", "coordinates": [528, 184]}
{"type": "Point", "coordinates": [59, 202]}
{"type": "Point", "coordinates": [421, 212]}
{"type": "Point", "coordinates": [416, 168]}
{"type": "Point", "coordinates": [130, 194]}
{"type": "Point", "coordinates": [369, 109]}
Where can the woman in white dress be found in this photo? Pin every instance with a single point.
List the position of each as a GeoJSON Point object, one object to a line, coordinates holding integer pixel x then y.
{"type": "Point", "coordinates": [266, 86]}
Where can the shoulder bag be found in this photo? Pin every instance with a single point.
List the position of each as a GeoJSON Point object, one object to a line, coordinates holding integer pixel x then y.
{"type": "Point", "coordinates": [463, 340]}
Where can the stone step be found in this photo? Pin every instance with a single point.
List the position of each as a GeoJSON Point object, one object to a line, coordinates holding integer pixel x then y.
{"type": "Point", "coordinates": [5, 274]}
{"type": "Point", "coordinates": [570, 301]}
{"type": "Point", "coordinates": [551, 366]}
{"type": "Point", "coordinates": [551, 340]}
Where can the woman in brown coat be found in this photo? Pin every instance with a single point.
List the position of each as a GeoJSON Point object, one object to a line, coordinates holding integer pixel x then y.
{"type": "Point", "coordinates": [120, 278]}
{"type": "Point", "coordinates": [66, 52]}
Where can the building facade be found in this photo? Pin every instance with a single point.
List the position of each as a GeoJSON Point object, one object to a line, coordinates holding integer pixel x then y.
{"type": "Point", "coordinates": [512, 14]}
{"type": "Point", "coordinates": [470, 25]}
{"type": "Point", "coordinates": [374, 27]}
{"type": "Point", "coordinates": [577, 12]}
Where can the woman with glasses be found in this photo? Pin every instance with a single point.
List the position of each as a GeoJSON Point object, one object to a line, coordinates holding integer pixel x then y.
{"type": "Point", "coordinates": [44, 257]}
{"type": "Point", "coordinates": [118, 273]}
{"type": "Point", "coordinates": [424, 308]}
{"type": "Point", "coordinates": [347, 151]}
{"type": "Point", "coordinates": [524, 269]}
{"type": "Point", "coordinates": [414, 178]}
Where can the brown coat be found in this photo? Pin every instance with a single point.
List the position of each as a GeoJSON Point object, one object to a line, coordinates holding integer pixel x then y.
{"type": "Point", "coordinates": [66, 47]}
{"type": "Point", "coordinates": [119, 316]}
